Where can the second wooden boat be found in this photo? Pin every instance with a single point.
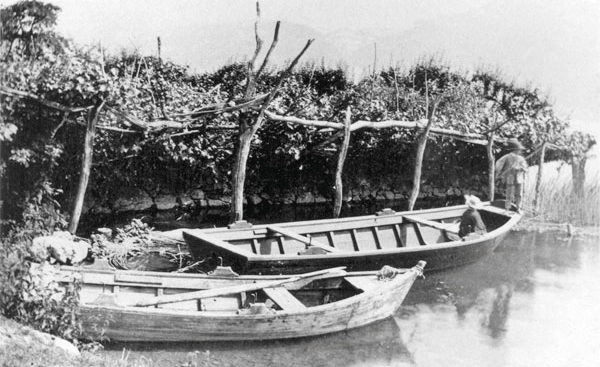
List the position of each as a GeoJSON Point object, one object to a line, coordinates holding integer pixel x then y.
{"type": "Point", "coordinates": [151, 306]}
{"type": "Point", "coordinates": [360, 243]}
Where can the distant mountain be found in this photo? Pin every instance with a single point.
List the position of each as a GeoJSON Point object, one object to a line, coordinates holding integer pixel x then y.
{"type": "Point", "coordinates": [544, 42]}
{"type": "Point", "coordinates": [544, 45]}
{"type": "Point", "coordinates": [209, 47]}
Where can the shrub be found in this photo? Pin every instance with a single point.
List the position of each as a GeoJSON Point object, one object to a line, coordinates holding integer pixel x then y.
{"type": "Point", "coordinates": [28, 295]}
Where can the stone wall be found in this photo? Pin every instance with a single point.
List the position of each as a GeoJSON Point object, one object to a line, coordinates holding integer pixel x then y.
{"type": "Point", "coordinates": [135, 200]}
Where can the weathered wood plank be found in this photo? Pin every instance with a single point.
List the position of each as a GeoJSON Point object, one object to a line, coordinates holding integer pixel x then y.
{"type": "Point", "coordinates": [354, 240]}
{"type": "Point", "coordinates": [495, 210]}
{"type": "Point", "coordinates": [284, 299]}
{"type": "Point", "coordinates": [172, 298]}
{"type": "Point", "coordinates": [398, 235]}
{"type": "Point", "coordinates": [375, 230]}
{"type": "Point", "coordinates": [433, 224]}
{"type": "Point", "coordinates": [212, 241]}
{"type": "Point", "coordinates": [300, 238]}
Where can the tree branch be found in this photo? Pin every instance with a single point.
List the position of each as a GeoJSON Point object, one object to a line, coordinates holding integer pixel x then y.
{"type": "Point", "coordinates": [271, 48]}
{"type": "Point", "coordinates": [221, 107]}
{"type": "Point", "coordinates": [55, 105]}
{"type": "Point", "coordinates": [300, 121]}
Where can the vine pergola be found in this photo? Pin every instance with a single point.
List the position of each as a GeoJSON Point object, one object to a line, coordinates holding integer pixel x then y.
{"type": "Point", "coordinates": [254, 113]}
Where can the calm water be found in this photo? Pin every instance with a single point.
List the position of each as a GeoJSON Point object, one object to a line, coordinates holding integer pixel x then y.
{"type": "Point", "coordinates": [534, 302]}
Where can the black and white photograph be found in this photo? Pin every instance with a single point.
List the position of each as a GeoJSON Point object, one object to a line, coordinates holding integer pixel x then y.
{"type": "Point", "coordinates": [349, 183]}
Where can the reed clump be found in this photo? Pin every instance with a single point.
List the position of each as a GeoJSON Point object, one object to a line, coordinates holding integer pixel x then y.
{"type": "Point", "coordinates": [558, 203]}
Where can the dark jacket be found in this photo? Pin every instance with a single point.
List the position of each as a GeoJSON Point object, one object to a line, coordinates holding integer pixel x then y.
{"type": "Point", "coordinates": [471, 222]}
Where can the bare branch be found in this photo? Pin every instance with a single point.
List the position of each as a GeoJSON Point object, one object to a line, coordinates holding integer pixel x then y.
{"type": "Point", "coordinates": [221, 107]}
{"type": "Point", "coordinates": [116, 129]}
{"type": "Point", "coordinates": [62, 122]}
{"type": "Point", "coordinates": [284, 76]}
{"type": "Point", "coordinates": [300, 121]}
{"type": "Point", "coordinates": [148, 126]}
{"type": "Point", "coordinates": [250, 79]}
{"type": "Point", "coordinates": [361, 124]}
{"type": "Point", "coordinates": [273, 44]}
{"type": "Point", "coordinates": [57, 106]}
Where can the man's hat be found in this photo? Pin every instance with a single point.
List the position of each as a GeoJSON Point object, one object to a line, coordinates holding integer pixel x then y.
{"type": "Point", "coordinates": [514, 144]}
{"type": "Point", "coordinates": [473, 201]}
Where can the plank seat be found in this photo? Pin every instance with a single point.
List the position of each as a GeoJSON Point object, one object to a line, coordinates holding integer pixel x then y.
{"type": "Point", "coordinates": [298, 237]}
{"type": "Point", "coordinates": [448, 227]}
{"type": "Point", "coordinates": [496, 210]}
{"type": "Point", "coordinates": [284, 299]}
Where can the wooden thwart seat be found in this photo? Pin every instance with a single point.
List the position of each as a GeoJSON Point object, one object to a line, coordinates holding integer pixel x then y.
{"type": "Point", "coordinates": [448, 227]}
{"type": "Point", "coordinates": [496, 210]}
{"type": "Point", "coordinates": [209, 240]}
{"type": "Point", "coordinates": [298, 237]}
{"type": "Point", "coordinates": [284, 299]}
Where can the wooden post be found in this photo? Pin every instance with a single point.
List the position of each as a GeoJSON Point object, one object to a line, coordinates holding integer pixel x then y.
{"type": "Point", "coordinates": [578, 175]}
{"type": "Point", "coordinates": [491, 166]}
{"type": "Point", "coordinates": [251, 121]}
{"type": "Point", "coordinates": [246, 132]}
{"type": "Point", "coordinates": [86, 165]}
{"type": "Point", "coordinates": [422, 143]}
{"type": "Point", "coordinates": [538, 181]}
{"type": "Point", "coordinates": [337, 203]}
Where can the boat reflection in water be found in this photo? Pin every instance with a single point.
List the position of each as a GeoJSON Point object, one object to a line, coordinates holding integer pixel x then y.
{"type": "Point", "coordinates": [379, 344]}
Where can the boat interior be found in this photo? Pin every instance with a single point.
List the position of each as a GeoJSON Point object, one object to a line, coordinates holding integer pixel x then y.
{"type": "Point", "coordinates": [385, 230]}
{"type": "Point", "coordinates": [119, 289]}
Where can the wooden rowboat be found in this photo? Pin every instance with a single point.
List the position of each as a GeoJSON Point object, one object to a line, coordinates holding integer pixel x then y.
{"type": "Point", "coordinates": [360, 243]}
{"type": "Point", "coordinates": [152, 306]}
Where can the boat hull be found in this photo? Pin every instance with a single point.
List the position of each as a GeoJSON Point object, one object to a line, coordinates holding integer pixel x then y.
{"type": "Point", "coordinates": [156, 324]}
{"type": "Point", "coordinates": [367, 243]}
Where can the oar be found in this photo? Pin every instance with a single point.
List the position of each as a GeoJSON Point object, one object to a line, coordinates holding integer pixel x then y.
{"type": "Point", "coordinates": [207, 293]}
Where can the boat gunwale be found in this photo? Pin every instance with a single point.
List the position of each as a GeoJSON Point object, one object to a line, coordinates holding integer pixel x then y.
{"type": "Point", "coordinates": [398, 281]}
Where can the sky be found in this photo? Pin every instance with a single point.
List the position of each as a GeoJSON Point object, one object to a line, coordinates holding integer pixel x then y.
{"type": "Point", "coordinates": [553, 45]}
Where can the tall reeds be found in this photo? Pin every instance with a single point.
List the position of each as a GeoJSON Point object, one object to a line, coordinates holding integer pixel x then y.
{"type": "Point", "coordinates": [557, 203]}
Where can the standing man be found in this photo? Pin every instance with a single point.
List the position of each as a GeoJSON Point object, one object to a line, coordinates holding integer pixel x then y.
{"type": "Point", "coordinates": [511, 168]}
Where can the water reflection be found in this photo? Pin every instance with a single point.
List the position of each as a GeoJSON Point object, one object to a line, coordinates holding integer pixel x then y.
{"type": "Point", "coordinates": [528, 304]}
{"type": "Point", "coordinates": [534, 302]}
{"type": "Point", "coordinates": [379, 343]}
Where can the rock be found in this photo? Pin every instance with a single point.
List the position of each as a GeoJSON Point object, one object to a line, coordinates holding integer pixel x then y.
{"type": "Point", "coordinates": [215, 203]}
{"type": "Point", "coordinates": [255, 199]}
{"type": "Point", "coordinates": [132, 200]}
{"type": "Point", "coordinates": [320, 199]}
{"type": "Point", "coordinates": [24, 343]}
{"type": "Point", "coordinates": [185, 200]}
{"type": "Point", "coordinates": [63, 234]}
{"type": "Point", "coordinates": [59, 246]}
{"type": "Point", "coordinates": [67, 251]}
{"type": "Point", "coordinates": [197, 194]}
{"type": "Point", "coordinates": [165, 202]}
{"type": "Point", "coordinates": [438, 193]}
{"type": "Point", "coordinates": [388, 195]}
